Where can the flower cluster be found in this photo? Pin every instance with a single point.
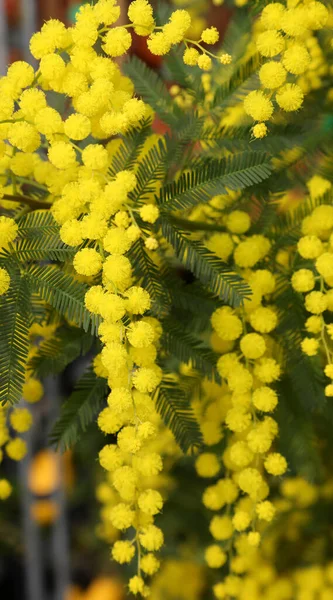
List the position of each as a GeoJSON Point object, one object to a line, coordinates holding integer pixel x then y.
{"type": "Point", "coordinates": [313, 278]}
{"type": "Point", "coordinates": [243, 404]}
{"type": "Point", "coordinates": [294, 61]}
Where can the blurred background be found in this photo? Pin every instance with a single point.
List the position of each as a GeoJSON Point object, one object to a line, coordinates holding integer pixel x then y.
{"type": "Point", "coordinates": [52, 545]}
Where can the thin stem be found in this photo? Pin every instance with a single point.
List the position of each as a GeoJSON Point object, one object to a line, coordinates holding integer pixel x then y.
{"type": "Point", "coordinates": [33, 183]}
{"type": "Point", "coordinates": [26, 200]}
{"type": "Point", "coordinates": [196, 225]}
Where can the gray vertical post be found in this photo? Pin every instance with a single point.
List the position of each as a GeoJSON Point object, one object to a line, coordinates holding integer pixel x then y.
{"type": "Point", "coordinates": [32, 543]}
{"type": "Point", "coordinates": [60, 545]}
{"type": "Point", "coordinates": [28, 27]}
{"type": "Point", "coordinates": [3, 39]}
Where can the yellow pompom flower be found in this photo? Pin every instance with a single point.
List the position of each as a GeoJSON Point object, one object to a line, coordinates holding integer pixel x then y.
{"type": "Point", "coordinates": [265, 510]}
{"type": "Point", "coordinates": [122, 516]}
{"type": "Point", "coordinates": [87, 261]}
{"type": "Point", "coordinates": [140, 13]}
{"type": "Point", "coordinates": [21, 419]}
{"type": "Point", "coordinates": [315, 302]}
{"type": "Point", "coordinates": [310, 346]}
{"type": "Point", "coordinates": [259, 130]}
{"type": "Point", "coordinates": [207, 465]}
{"type": "Point", "coordinates": [150, 502]}
{"type": "Point", "coordinates": [191, 57]}
{"type": "Point", "coordinates": [62, 155]}
{"type": "Point", "coordinates": [270, 43]}
{"type": "Point", "coordinates": [117, 241]}
{"type": "Point", "coordinates": [123, 552]}
{"type": "Point", "coordinates": [140, 334]}
{"type": "Point", "coordinates": [238, 221]}
{"type": "Point", "coordinates": [151, 538]}
{"type": "Point", "coordinates": [253, 345]}
{"type": "Point", "coordinates": [324, 264]}
{"type": "Point", "coordinates": [215, 557]}
{"type": "Point", "coordinates": [258, 106]}
{"type": "Point", "coordinates": [136, 586]}
{"type": "Point", "coordinates": [241, 520]}
{"type": "Point", "coordinates": [16, 449]}
{"type": "Point", "coordinates": [117, 41]}
{"type": "Point", "coordinates": [32, 390]}
{"type": "Point", "coordinates": [275, 464]}
{"type": "Point", "coordinates": [52, 66]}
{"type": "Point", "coordinates": [138, 300]}
{"type": "Point", "coordinates": [149, 564]}
{"type": "Point", "coordinates": [265, 399]}
{"type": "Point", "coordinates": [4, 281]}
{"type": "Point", "coordinates": [310, 246]}
{"type": "Point", "coordinates": [77, 127]}
{"type": "Point", "coordinates": [70, 233]}
{"type": "Point", "coordinates": [296, 59]}
{"type": "Point", "coordinates": [24, 136]}
{"type": "Point", "coordinates": [272, 75]}
{"type": "Point", "coordinates": [226, 324]}
{"type": "Point", "coordinates": [221, 527]}
{"type": "Point", "coordinates": [290, 97]}
{"type": "Point", "coordinates": [95, 157]}
{"type": "Point", "coordinates": [146, 379]}
{"type": "Point", "coordinates": [149, 213]}
{"type": "Point", "coordinates": [271, 15]}
{"type": "Point", "coordinates": [204, 62]}
{"type": "Point", "coordinates": [210, 35]}
{"type": "Point", "coordinates": [5, 489]}
{"type": "Point", "coordinates": [31, 102]}
{"type": "Point", "coordinates": [117, 270]}
{"type": "Point", "coordinates": [303, 280]}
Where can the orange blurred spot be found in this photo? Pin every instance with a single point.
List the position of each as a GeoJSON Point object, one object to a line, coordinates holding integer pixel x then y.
{"type": "Point", "coordinates": [44, 511]}
{"type": "Point", "coordinates": [74, 593]}
{"type": "Point", "coordinates": [105, 588]}
{"type": "Point", "coordinates": [44, 476]}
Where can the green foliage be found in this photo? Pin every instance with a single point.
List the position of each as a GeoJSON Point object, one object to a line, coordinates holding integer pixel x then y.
{"type": "Point", "coordinates": [152, 168]}
{"type": "Point", "coordinates": [15, 316]}
{"type": "Point", "coordinates": [38, 223]}
{"type": "Point", "coordinates": [212, 177]}
{"type": "Point", "coordinates": [149, 277]}
{"type": "Point", "coordinates": [206, 266]}
{"type": "Point", "coordinates": [55, 354]}
{"type": "Point", "coordinates": [129, 149]}
{"type": "Point", "coordinates": [152, 89]}
{"type": "Point", "coordinates": [79, 410]}
{"type": "Point", "coordinates": [63, 292]}
{"type": "Point", "coordinates": [172, 403]}
{"type": "Point", "coordinates": [49, 247]}
{"type": "Point", "coordinates": [187, 348]}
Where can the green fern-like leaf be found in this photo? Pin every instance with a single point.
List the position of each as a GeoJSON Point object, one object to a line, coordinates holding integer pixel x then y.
{"type": "Point", "coordinates": [38, 223]}
{"type": "Point", "coordinates": [130, 147]}
{"type": "Point", "coordinates": [15, 318]}
{"type": "Point", "coordinates": [206, 266]}
{"type": "Point", "coordinates": [214, 177]}
{"type": "Point", "coordinates": [241, 82]}
{"type": "Point", "coordinates": [42, 248]}
{"type": "Point", "coordinates": [63, 292]}
{"type": "Point", "coordinates": [175, 409]}
{"type": "Point", "coordinates": [55, 354]}
{"type": "Point", "coordinates": [152, 168]}
{"type": "Point", "coordinates": [151, 87]}
{"type": "Point", "coordinates": [187, 348]}
{"type": "Point", "coordinates": [79, 410]}
{"type": "Point", "coordinates": [149, 276]}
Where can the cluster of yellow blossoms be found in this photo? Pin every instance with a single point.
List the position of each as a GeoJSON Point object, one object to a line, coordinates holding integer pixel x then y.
{"type": "Point", "coordinates": [313, 277]}
{"type": "Point", "coordinates": [243, 403]}
{"type": "Point", "coordinates": [294, 62]}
